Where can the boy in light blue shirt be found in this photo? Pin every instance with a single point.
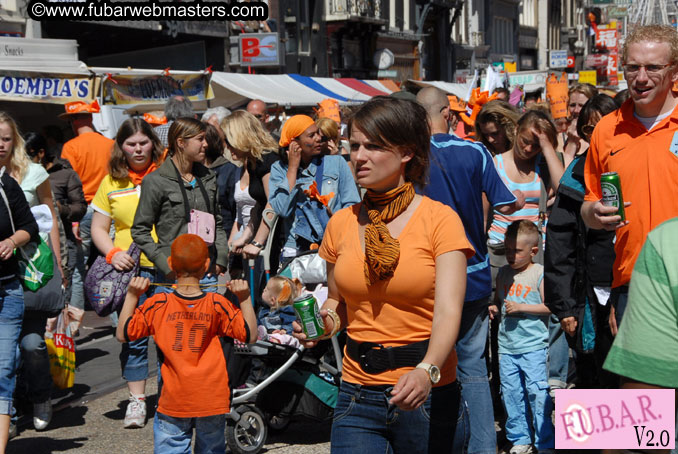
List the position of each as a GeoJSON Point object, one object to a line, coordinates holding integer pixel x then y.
{"type": "Point", "coordinates": [523, 342]}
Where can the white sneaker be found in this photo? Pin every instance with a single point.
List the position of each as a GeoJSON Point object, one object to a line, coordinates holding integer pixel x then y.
{"type": "Point", "coordinates": [135, 416]}
{"type": "Point", "coordinates": [521, 449]}
{"type": "Point", "coordinates": [42, 414]}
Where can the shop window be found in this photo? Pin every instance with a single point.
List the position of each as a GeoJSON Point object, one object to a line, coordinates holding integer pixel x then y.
{"type": "Point", "coordinates": [503, 36]}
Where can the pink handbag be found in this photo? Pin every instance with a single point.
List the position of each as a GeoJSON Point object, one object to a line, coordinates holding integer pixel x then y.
{"type": "Point", "coordinates": [203, 225]}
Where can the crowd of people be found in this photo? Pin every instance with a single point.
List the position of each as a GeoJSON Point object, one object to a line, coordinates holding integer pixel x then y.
{"type": "Point", "coordinates": [469, 256]}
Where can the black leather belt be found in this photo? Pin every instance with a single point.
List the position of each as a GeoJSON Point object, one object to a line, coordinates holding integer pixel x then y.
{"type": "Point", "coordinates": [375, 358]}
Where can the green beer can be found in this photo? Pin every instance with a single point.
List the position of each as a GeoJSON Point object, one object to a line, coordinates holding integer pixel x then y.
{"type": "Point", "coordinates": [308, 313]}
{"type": "Point", "coordinates": [610, 186]}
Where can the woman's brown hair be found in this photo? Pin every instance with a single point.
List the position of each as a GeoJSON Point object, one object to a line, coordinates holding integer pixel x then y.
{"type": "Point", "coordinates": [503, 115]}
{"type": "Point", "coordinates": [541, 122]}
{"type": "Point", "coordinates": [183, 128]}
{"type": "Point", "coordinates": [117, 166]}
{"type": "Point", "coordinates": [397, 124]}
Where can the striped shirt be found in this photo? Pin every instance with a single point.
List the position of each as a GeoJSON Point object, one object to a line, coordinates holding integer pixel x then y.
{"type": "Point", "coordinates": [530, 211]}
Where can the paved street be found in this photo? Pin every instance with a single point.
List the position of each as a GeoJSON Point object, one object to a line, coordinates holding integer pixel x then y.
{"type": "Point", "coordinates": [88, 418]}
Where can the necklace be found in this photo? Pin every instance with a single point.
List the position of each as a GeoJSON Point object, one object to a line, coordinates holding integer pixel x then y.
{"type": "Point", "coordinates": [186, 178]}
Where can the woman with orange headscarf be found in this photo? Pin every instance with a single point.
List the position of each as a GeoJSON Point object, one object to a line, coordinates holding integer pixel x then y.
{"type": "Point", "coordinates": [306, 187]}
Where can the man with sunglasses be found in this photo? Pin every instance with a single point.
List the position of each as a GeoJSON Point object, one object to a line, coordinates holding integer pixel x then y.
{"type": "Point", "coordinates": [639, 141]}
{"type": "Point", "coordinates": [258, 108]}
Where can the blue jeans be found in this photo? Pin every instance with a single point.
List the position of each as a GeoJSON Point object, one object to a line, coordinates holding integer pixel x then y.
{"type": "Point", "coordinates": [134, 355]}
{"type": "Point", "coordinates": [525, 391]}
{"type": "Point", "coordinates": [82, 255]}
{"type": "Point", "coordinates": [34, 375]}
{"type": "Point", "coordinates": [11, 315]}
{"type": "Point", "coordinates": [558, 356]}
{"type": "Point", "coordinates": [173, 435]}
{"type": "Point", "coordinates": [619, 299]}
{"type": "Point", "coordinates": [472, 374]}
{"type": "Point", "coordinates": [364, 421]}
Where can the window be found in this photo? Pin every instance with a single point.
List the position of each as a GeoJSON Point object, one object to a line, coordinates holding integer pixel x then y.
{"type": "Point", "coordinates": [502, 36]}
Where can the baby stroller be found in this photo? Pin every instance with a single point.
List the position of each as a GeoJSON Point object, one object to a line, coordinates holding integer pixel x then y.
{"type": "Point", "coordinates": [303, 382]}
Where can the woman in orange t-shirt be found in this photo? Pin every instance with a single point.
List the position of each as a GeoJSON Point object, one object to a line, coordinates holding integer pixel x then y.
{"type": "Point", "coordinates": [402, 323]}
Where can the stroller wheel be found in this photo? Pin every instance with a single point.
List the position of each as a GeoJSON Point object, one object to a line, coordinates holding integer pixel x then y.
{"type": "Point", "coordinates": [277, 423]}
{"type": "Point", "coordinates": [248, 435]}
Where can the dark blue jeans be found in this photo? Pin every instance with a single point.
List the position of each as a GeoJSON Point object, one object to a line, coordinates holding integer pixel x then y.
{"type": "Point", "coordinates": [134, 355]}
{"type": "Point", "coordinates": [364, 422]}
{"type": "Point", "coordinates": [11, 315]}
{"type": "Point", "coordinates": [472, 375]}
{"type": "Point", "coordinates": [34, 375]}
{"type": "Point", "coordinates": [173, 435]}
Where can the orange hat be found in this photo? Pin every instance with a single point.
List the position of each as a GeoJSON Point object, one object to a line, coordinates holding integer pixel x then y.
{"type": "Point", "coordinates": [329, 108]}
{"type": "Point", "coordinates": [189, 254]}
{"type": "Point", "coordinates": [79, 108]}
{"type": "Point", "coordinates": [293, 128]}
{"type": "Point", "coordinates": [456, 104]}
{"type": "Point", "coordinates": [557, 95]}
{"type": "Point", "coordinates": [154, 120]}
{"type": "Point", "coordinates": [475, 103]}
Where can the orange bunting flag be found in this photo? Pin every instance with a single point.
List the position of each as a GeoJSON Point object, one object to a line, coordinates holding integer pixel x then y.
{"type": "Point", "coordinates": [557, 95]}
{"type": "Point", "coordinates": [475, 103]}
{"type": "Point", "coordinates": [313, 194]}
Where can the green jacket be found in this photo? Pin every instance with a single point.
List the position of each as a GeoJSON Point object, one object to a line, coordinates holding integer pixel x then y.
{"type": "Point", "coordinates": [161, 204]}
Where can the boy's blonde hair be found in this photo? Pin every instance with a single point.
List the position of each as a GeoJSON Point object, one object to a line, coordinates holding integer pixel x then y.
{"type": "Point", "coordinates": [287, 290]}
{"type": "Point", "coordinates": [523, 227]}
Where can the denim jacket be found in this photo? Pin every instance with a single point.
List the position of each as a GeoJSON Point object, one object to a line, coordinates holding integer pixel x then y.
{"type": "Point", "coordinates": [337, 178]}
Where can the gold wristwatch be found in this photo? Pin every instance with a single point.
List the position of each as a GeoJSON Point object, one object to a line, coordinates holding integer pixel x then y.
{"type": "Point", "coordinates": [432, 370]}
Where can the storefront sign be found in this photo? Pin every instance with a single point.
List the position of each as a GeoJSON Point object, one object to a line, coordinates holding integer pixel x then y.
{"type": "Point", "coordinates": [558, 59]}
{"type": "Point", "coordinates": [528, 78]}
{"type": "Point", "coordinates": [617, 11]}
{"type": "Point", "coordinates": [45, 87]}
{"type": "Point", "coordinates": [119, 89]}
{"type": "Point", "coordinates": [596, 60]}
{"type": "Point", "coordinates": [588, 77]}
{"type": "Point", "coordinates": [259, 49]}
{"type": "Point", "coordinates": [608, 39]}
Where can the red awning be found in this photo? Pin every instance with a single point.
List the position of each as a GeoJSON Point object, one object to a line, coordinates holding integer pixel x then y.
{"type": "Point", "coordinates": [362, 87]}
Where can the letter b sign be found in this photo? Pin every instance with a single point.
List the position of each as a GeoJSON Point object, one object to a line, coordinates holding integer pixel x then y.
{"type": "Point", "coordinates": [250, 47]}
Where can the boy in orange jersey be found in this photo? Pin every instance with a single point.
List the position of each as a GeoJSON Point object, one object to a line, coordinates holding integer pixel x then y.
{"type": "Point", "coordinates": [186, 325]}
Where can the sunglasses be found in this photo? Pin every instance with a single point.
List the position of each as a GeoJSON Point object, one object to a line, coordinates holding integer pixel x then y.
{"type": "Point", "coordinates": [588, 129]}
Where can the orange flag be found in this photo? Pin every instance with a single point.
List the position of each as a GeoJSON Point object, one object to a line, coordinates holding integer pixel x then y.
{"type": "Point", "coordinates": [313, 194]}
{"type": "Point", "coordinates": [557, 95]}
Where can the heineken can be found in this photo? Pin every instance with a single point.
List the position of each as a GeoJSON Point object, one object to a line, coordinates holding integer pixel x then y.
{"type": "Point", "coordinates": [308, 313]}
{"type": "Point", "coordinates": [610, 185]}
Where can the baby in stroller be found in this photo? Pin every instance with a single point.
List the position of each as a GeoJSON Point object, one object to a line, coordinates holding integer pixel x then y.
{"type": "Point", "coordinates": [275, 320]}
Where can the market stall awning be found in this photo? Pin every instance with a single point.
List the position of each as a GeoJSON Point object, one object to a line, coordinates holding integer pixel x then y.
{"type": "Point", "coordinates": [233, 89]}
{"type": "Point", "coordinates": [362, 87]}
{"type": "Point", "coordinates": [460, 90]}
{"type": "Point", "coordinates": [386, 85]}
{"type": "Point", "coordinates": [43, 70]}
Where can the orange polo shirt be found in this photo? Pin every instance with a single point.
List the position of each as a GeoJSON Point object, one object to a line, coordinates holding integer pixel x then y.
{"type": "Point", "coordinates": [647, 164]}
{"type": "Point", "coordinates": [89, 154]}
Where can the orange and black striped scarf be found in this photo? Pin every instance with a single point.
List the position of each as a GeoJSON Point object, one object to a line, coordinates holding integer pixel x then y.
{"type": "Point", "coordinates": [382, 251]}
